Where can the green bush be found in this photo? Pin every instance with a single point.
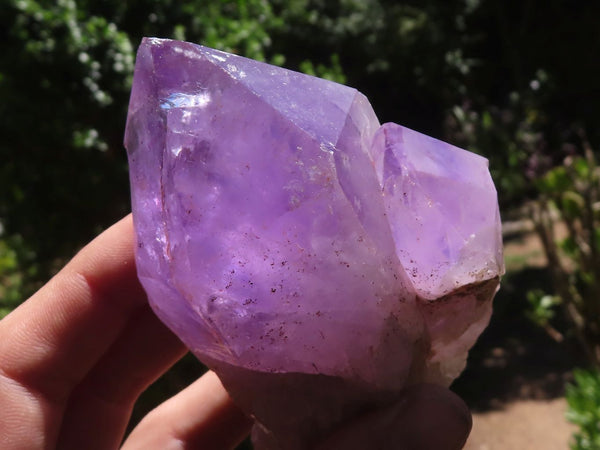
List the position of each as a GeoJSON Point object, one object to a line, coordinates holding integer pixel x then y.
{"type": "Point", "coordinates": [583, 398]}
{"type": "Point", "coordinates": [569, 194]}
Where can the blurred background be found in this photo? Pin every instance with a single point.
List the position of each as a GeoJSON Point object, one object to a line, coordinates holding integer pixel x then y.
{"type": "Point", "coordinates": [517, 81]}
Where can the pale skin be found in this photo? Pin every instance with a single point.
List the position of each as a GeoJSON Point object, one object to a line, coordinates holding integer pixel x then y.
{"type": "Point", "coordinates": [75, 357]}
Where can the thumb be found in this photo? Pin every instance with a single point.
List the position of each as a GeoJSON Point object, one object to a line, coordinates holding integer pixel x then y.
{"type": "Point", "coordinates": [425, 417]}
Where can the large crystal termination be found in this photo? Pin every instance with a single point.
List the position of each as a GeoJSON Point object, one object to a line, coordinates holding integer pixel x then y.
{"type": "Point", "coordinates": [316, 261]}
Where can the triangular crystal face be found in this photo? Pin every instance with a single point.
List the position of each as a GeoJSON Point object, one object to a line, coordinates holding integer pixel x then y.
{"type": "Point", "coordinates": [186, 74]}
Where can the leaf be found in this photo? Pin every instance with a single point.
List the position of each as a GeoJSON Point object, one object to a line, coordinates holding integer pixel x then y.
{"type": "Point", "coordinates": [555, 181]}
{"type": "Point", "coordinates": [583, 399]}
{"type": "Point", "coordinates": [581, 167]}
{"type": "Point", "coordinates": [542, 306]}
{"type": "Point", "coordinates": [572, 204]}
{"type": "Point", "coordinates": [570, 247]}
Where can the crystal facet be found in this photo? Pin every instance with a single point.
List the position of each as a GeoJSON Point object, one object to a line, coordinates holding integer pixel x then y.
{"type": "Point", "coordinates": [317, 261]}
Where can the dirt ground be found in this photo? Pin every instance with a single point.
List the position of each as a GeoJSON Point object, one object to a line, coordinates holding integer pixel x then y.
{"type": "Point", "coordinates": [515, 378]}
{"type": "Point", "coordinates": [523, 425]}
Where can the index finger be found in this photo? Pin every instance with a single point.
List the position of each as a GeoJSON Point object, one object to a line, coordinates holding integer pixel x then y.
{"type": "Point", "coordinates": [51, 341]}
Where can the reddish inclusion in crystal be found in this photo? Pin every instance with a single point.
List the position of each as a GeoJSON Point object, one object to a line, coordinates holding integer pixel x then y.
{"type": "Point", "coordinates": [282, 230]}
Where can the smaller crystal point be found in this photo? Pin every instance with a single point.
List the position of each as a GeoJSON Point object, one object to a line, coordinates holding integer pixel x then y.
{"type": "Point", "coordinates": [317, 262]}
{"type": "Point", "coordinates": [443, 212]}
{"type": "Point", "coordinates": [442, 208]}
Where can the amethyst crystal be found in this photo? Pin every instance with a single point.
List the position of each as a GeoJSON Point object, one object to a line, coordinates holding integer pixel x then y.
{"type": "Point", "coordinates": [316, 261]}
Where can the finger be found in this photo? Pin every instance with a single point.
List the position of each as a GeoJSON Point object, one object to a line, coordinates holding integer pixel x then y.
{"type": "Point", "coordinates": [201, 416]}
{"type": "Point", "coordinates": [99, 408]}
{"type": "Point", "coordinates": [49, 343]}
{"type": "Point", "coordinates": [427, 417]}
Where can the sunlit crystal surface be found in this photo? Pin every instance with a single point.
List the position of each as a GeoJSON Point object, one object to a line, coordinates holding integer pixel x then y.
{"type": "Point", "coordinates": [281, 231]}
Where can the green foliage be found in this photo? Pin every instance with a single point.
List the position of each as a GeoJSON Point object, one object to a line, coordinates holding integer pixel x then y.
{"type": "Point", "coordinates": [570, 193]}
{"type": "Point", "coordinates": [556, 181]}
{"type": "Point", "coordinates": [505, 139]}
{"type": "Point", "coordinates": [333, 72]}
{"type": "Point", "coordinates": [583, 399]}
{"type": "Point", "coordinates": [66, 76]}
{"type": "Point", "coordinates": [17, 269]}
{"type": "Point", "coordinates": [542, 311]}
{"type": "Point", "coordinates": [542, 307]}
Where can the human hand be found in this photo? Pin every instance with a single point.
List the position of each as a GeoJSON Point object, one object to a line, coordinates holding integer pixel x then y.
{"type": "Point", "coordinates": [75, 357]}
